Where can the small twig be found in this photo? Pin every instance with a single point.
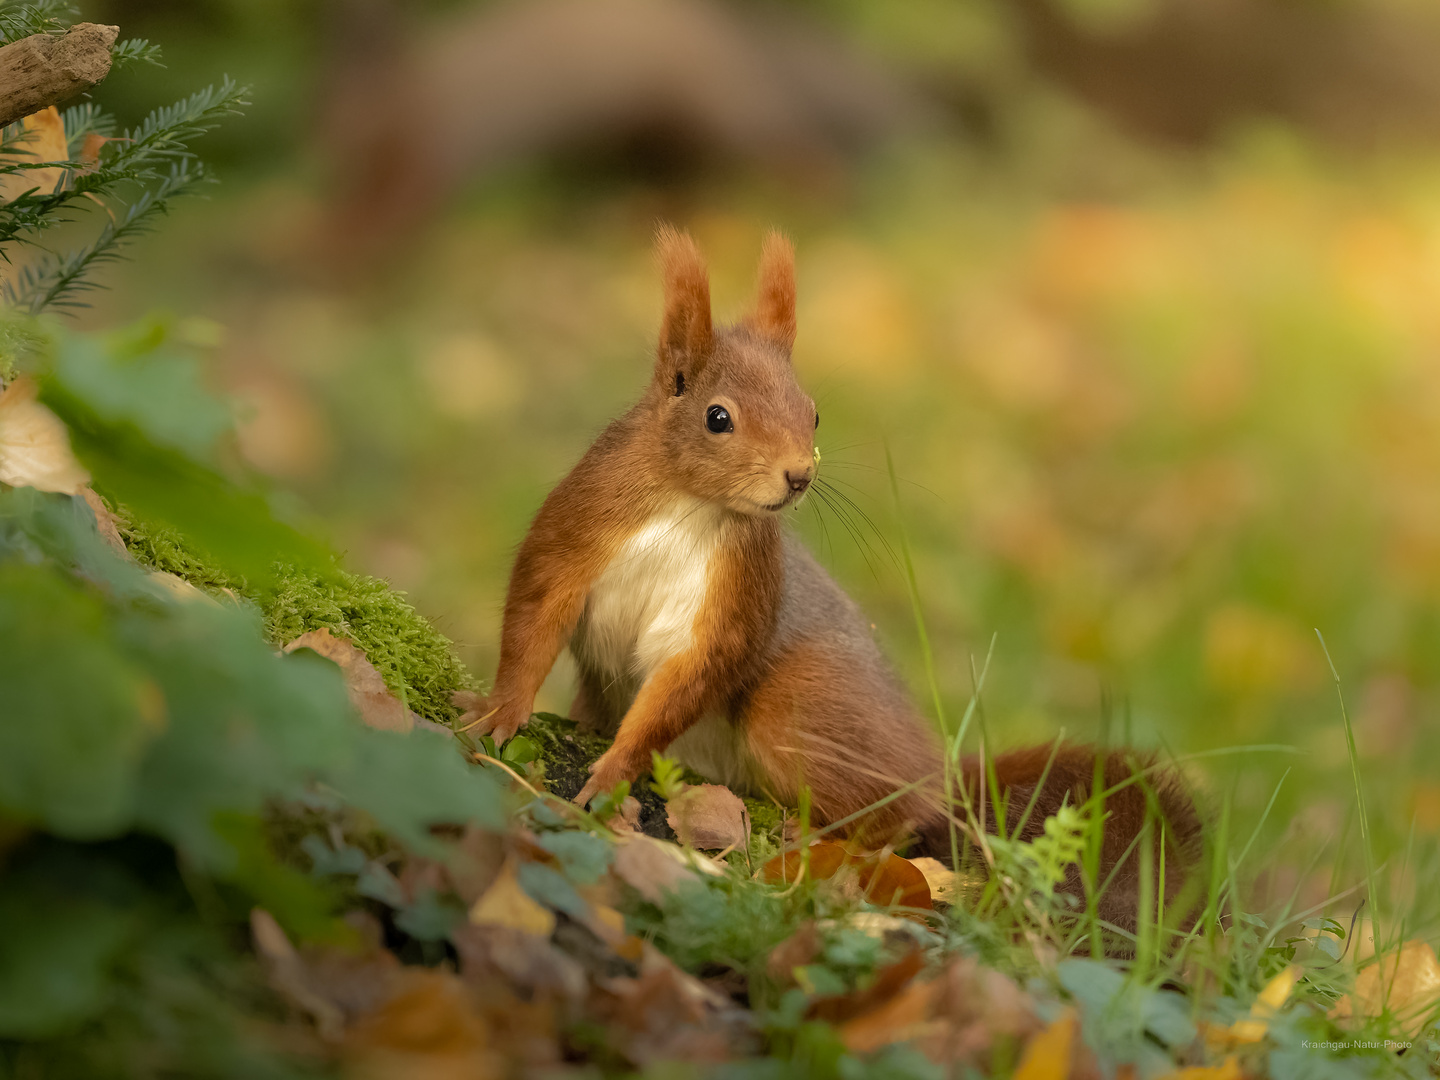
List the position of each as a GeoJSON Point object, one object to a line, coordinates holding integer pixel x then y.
{"type": "Point", "coordinates": [518, 778]}
{"type": "Point", "coordinates": [475, 723]}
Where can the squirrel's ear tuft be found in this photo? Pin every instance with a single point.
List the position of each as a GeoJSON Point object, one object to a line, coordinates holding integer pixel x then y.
{"type": "Point", "coordinates": [685, 332]}
{"type": "Point", "coordinates": [774, 316]}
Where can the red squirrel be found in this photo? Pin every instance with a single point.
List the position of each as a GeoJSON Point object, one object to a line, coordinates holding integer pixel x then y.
{"type": "Point", "coordinates": [703, 629]}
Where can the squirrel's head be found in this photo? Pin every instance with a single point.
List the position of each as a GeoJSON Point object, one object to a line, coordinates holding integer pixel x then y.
{"type": "Point", "coordinates": [735, 426]}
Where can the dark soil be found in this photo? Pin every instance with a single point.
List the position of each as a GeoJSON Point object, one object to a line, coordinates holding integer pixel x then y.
{"type": "Point", "coordinates": [568, 754]}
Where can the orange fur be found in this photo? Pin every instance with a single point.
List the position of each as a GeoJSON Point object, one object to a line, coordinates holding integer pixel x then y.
{"type": "Point", "coordinates": [697, 623]}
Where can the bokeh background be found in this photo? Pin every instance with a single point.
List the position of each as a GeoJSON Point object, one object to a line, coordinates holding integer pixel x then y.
{"type": "Point", "coordinates": [1141, 296]}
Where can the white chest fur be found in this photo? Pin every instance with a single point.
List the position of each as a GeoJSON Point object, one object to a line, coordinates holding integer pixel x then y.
{"type": "Point", "coordinates": [641, 610]}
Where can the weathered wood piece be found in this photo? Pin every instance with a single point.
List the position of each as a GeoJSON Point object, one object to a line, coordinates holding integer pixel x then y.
{"type": "Point", "coordinates": [46, 69]}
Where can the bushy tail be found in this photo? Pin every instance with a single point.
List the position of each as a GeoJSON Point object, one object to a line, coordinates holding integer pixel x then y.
{"type": "Point", "coordinates": [1056, 777]}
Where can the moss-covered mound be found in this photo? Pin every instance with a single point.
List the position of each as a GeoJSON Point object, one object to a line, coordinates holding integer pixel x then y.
{"type": "Point", "coordinates": [416, 660]}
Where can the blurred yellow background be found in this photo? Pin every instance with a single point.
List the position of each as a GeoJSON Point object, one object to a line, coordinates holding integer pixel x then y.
{"type": "Point", "coordinates": [1142, 296]}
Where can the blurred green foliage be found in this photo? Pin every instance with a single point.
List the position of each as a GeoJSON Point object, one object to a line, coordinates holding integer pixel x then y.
{"type": "Point", "coordinates": [147, 729]}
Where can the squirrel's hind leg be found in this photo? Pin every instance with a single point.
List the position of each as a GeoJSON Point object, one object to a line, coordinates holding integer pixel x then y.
{"type": "Point", "coordinates": [814, 721]}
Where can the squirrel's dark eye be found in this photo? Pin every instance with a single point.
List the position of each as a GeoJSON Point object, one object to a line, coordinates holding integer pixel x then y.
{"type": "Point", "coordinates": [679, 383]}
{"type": "Point", "coordinates": [717, 419]}
{"type": "Point", "coordinates": [817, 418]}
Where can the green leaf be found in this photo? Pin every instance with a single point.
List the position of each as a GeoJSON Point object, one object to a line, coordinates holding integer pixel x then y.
{"type": "Point", "coordinates": [431, 917]}
{"type": "Point", "coordinates": [234, 525]}
{"type": "Point", "coordinates": [519, 750]}
{"type": "Point", "coordinates": [668, 774]}
{"type": "Point", "coordinates": [546, 886]}
{"type": "Point", "coordinates": [409, 783]}
{"type": "Point", "coordinates": [130, 380]}
{"type": "Point", "coordinates": [326, 861]}
{"type": "Point", "coordinates": [609, 802]}
{"type": "Point", "coordinates": [56, 952]}
{"type": "Point", "coordinates": [583, 855]}
{"type": "Point", "coordinates": [77, 713]}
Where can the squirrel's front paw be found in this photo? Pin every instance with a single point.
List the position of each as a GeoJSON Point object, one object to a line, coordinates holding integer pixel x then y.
{"type": "Point", "coordinates": [609, 770]}
{"type": "Point", "coordinates": [485, 716]}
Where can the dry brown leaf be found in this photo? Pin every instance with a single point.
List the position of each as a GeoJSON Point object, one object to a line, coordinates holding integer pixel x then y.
{"type": "Point", "coordinates": [664, 1014]}
{"type": "Point", "coordinates": [709, 817]}
{"type": "Point", "coordinates": [904, 1018]}
{"type": "Point", "coordinates": [1405, 984]}
{"type": "Point", "coordinates": [43, 140]}
{"type": "Point", "coordinates": [506, 904]}
{"type": "Point", "coordinates": [882, 879]}
{"type": "Point", "coordinates": [368, 693]}
{"type": "Point", "coordinates": [1048, 1055]}
{"type": "Point", "coordinates": [429, 1030]}
{"type": "Point", "coordinates": [286, 973]}
{"type": "Point", "coordinates": [34, 445]}
{"type": "Point", "coordinates": [799, 949]}
{"type": "Point", "coordinates": [474, 862]}
{"type": "Point", "coordinates": [179, 588]}
{"type": "Point", "coordinates": [889, 981]}
{"type": "Point", "coordinates": [651, 867]}
{"type": "Point", "coordinates": [106, 522]}
{"type": "Point", "coordinates": [628, 817]}
{"type": "Point", "coordinates": [498, 956]}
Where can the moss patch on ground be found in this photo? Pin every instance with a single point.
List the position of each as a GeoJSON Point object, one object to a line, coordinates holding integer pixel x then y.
{"type": "Point", "coordinates": [416, 660]}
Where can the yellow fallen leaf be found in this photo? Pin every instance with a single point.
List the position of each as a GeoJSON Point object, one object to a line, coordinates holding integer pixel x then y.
{"type": "Point", "coordinates": [43, 140]}
{"type": "Point", "coordinates": [938, 876]}
{"type": "Point", "coordinates": [1404, 984]}
{"type": "Point", "coordinates": [1048, 1054]}
{"type": "Point", "coordinates": [505, 903]}
{"type": "Point", "coordinates": [1229, 1070]}
{"type": "Point", "coordinates": [34, 445]}
{"type": "Point", "coordinates": [1252, 1028]}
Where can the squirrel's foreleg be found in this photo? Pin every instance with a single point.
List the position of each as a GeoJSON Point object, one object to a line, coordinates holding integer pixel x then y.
{"type": "Point", "coordinates": [546, 598]}
{"type": "Point", "coordinates": [673, 698]}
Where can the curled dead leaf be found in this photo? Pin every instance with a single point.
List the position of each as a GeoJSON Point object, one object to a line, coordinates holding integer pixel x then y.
{"type": "Point", "coordinates": [34, 445]}
{"type": "Point", "coordinates": [890, 980]}
{"type": "Point", "coordinates": [654, 868]}
{"type": "Point", "coordinates": [368, 693]}
{"type": "Point", "coordinates": [879, 878]}
{"type": "Point", "coordinates": [286, 974]}
{"type": "Point", "coordinates": [709, 817]}
{"type": "Point", "coordinates": [429, 1029]}
{"type": "Point", "coordinates": [906, 1017]}
{"type": "Point", "coordinates": [106, 522]}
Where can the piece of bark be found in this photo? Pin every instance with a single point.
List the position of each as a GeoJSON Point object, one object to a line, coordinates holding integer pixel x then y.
{"type": "Point", "coordinates": [46, 69]}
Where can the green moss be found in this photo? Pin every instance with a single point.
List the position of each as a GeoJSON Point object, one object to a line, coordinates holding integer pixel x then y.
{"type": "Point", "coordinates": [415, 659]}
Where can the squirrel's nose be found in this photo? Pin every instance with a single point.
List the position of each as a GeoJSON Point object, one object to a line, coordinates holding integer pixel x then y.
{"type": "Point", "coordinates": [798, 481]}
